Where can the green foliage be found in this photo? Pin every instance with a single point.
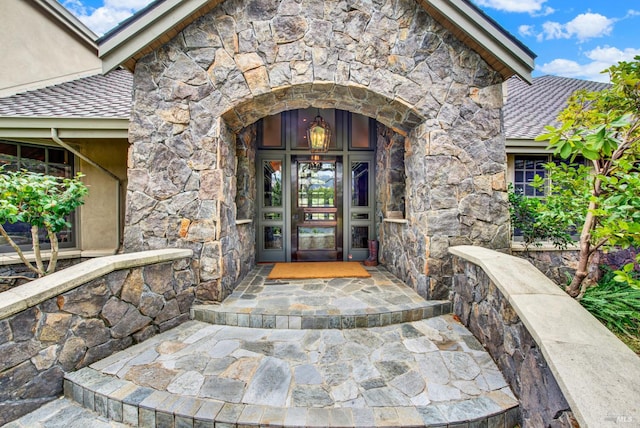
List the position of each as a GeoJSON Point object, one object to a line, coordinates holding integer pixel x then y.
{"type": "Point", "coordinates": [529, 216]}
{"type": "Point", "coordinates": [42, 201]}
{"type": "Point", "coordinates": [615, 304]}
{"type": "Point", "coordinates": [604, 128]}
{"type": "Point", "coordinates": [38, 199]}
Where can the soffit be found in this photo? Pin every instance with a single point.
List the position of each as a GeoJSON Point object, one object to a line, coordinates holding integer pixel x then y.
{"type": "Point", "coordinates": [162, 20]}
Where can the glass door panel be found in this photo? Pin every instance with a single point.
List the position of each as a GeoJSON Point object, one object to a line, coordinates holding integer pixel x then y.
{"type": "Point", "coordinates": [271, 220]}
{"type": "Point", "coordinates": [361, 205]}
{"type": "Point", "coordinates": [316, 215]}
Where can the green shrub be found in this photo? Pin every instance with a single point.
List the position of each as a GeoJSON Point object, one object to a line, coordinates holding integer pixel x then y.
{"type": "Point", "coordinates": [615, 304]}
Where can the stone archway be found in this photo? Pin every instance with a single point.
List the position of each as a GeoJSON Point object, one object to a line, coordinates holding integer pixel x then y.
{"type": "Point", "coordinates": [246, 60]}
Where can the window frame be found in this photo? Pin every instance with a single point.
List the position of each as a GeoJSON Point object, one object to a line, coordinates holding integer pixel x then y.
{"type": "Point", "coordinates": [68, 166]}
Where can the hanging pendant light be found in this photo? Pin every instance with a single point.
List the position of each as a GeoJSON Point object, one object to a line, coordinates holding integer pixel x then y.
{"type": "Point", "coordinates": [319, 135]}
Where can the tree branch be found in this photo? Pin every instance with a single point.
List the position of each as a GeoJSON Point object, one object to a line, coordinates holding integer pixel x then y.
{"type": "Point", "coordinates": [17, 250]}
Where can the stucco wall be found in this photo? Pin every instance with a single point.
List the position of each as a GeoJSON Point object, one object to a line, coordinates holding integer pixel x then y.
{"type": "Point", "coordinates": [37, 51]}
{"type": "Point", "coordinates": [99, 221]}
{"type": "Point", "coordinates": [246, 60]}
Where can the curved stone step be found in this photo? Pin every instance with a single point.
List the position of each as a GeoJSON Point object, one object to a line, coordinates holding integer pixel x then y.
{"type": "Point", "coordinates": [426, 373]}
{"type": "Point", "coordinates": [319, 319]}
{"type": "Point", "coordinates": [338, 303]}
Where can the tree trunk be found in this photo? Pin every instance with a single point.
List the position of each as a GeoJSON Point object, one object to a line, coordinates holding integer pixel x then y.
{"type": "Point", "coordinates": [582, 271]}
{"type": "Point", "coordinates": [17, 249]}
{"type": "Point", "coordinates": [53, 238]}
{"type": "Point", "coordinates": [36, 250]}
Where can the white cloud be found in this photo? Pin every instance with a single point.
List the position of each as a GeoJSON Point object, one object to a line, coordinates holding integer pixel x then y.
{"type": "Point", "coordinates": [526, 30]}
{"type": "Point", "coordinates": [546, 12]}
{"type": "Point", "coordinates": [601, 59]}
{"type": "Point", "coordinates": [583, 27]}
{"type": "Point", "coordinates": [528, 6]}
{"type": "Point", "coordinates": [104, 18]}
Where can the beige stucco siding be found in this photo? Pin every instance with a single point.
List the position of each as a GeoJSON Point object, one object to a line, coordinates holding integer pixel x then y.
{"type": "Point", "coordinates": [98, 220]}
{"type": "Point", "coordinates": [36, 51]}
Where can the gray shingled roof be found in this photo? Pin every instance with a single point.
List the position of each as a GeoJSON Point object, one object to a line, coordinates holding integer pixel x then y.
{"type": "Point", "coordinates": [530, 107]}
{"type": "Point", "coordinates": [98, 97]}
{"type": "Point", "coordinates": [527, 110]}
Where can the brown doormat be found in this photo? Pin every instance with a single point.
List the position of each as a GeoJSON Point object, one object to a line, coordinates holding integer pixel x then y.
{"type": "Point", "coordinates": [310, 270]}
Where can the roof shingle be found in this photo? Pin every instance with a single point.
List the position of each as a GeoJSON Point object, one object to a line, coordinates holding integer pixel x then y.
{"type": "Point", "coordinates": [529, 108]}
{"type": "Point", "coordinates": [98, 96]}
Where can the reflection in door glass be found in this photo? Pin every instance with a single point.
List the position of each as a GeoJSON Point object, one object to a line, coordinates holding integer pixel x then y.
{"type": "Point", "coordinates": [359, 236]}
{"type": "Point", "coordinates": [359, 184]}
{"type": "Point", "coordinates": [316, 238]}
{"type": "Point", "coordinates": [272, 170]}
{"type": "Point", "coordinates": [273, 238]}
{"type": "Point", "coordinates": [316, 184]}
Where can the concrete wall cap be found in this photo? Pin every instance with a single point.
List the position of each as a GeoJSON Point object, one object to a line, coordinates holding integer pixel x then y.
{"type": "Point", "coordinates": [30, 294]}
{"type": "Point", "coordinates": [597, 373]}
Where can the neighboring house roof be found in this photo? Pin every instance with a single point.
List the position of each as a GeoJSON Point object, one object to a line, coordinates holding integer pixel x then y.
{"type": "Point", "coordinates": [530, 107]}
{"type": "Point", "coordinates": [99, 96]}
{"type": "Point", "coordinates": [159, 22]}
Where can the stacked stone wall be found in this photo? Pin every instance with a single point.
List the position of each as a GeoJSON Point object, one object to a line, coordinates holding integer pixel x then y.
{"type": "Point", "coordinates": [84, 325]}
{"type": "Point", "coordinates": [560, 265]}
{"type": "Point", "coordinates": [244, 60]}
{"type": "Point", "coordinates": [485, 311]}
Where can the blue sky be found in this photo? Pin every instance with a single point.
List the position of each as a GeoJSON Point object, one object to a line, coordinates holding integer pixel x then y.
{"type": "Point", "coordinates": [571, 38]}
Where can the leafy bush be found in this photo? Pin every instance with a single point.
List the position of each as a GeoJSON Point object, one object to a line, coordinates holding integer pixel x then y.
{"type": "Point", "coordinates": [42, 201]}
{"type": "Point", "coordinates": [530, 219]}
{"type": "Point", "coordinates": [615, 304]}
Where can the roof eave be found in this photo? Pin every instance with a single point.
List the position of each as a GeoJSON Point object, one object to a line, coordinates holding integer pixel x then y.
{"type": "Point", "coordinates": [72, 23]}
{"type": "Point", "coordinates": [159, 24]}
{"type": "Point", "coordinates": [494, 45]}
{"type": "Point", "coordinates": [164, 21]}
{"type": "Point", "coordinates": [68, 127]}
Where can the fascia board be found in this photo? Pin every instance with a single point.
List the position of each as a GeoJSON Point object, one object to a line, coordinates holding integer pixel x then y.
{"type": "Point", "coordinates": [141, 33]}
{"type": "Point", "coordinates": [525, 145]}
{"type": "Point", "coordinates": [29, 127]}
{"type": "Point", "coordinates": [468, 20]}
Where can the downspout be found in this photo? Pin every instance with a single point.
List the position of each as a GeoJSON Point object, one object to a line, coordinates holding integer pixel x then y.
{"type": "Point", "coordinates": [54, 137]}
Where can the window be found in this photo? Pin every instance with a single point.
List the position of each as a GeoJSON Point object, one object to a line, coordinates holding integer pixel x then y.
{"type": "Point", "coordinates": [525, 168]}
{"type": "Point", "coordinates": [42, 159]}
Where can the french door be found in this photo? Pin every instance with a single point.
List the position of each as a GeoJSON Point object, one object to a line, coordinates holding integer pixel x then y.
{"type": "Point", "coordinates": [314, 208]}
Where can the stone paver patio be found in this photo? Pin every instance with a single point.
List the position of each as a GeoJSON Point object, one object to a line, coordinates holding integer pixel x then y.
{"type": "Point", "coordinates": [428, 372]}
{"type": "Point", "coordinates": [340, 303]}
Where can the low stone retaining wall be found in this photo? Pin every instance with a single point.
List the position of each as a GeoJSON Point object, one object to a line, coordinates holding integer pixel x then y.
{"type": "Point", "coordinates": [82, 314]}
{"type": "Point", "coordinates": [562, 364]}
{"type": "Point", "coordinates": [560, 265]}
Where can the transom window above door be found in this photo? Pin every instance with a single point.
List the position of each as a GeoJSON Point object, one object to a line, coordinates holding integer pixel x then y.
{"type": "Point", "coordinates": [288, 130]}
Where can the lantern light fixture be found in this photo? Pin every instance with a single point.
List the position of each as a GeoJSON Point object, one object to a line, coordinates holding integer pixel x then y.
{"type": "Point", "coordinates": [319, 135]}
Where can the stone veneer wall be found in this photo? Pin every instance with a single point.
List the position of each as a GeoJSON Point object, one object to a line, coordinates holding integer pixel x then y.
{"type": "Point", "coordinates": [245, 60]}
{"type": "Point", "coordinates": [560, 265]}
{"type": "Point", "coordinates": [83, 325]}
{"type": "Point", "coordinates": [557, 357]}
{"type": "Point", "coordinates": [489, 316]}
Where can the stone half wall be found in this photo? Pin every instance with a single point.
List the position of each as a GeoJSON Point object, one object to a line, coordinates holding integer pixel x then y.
{"type": "Point", "coordinates": [242, 61]}
{"type": "Point", "coordinates": [85, 324]}
{"type": "Point", "coordinates": [555, 355]}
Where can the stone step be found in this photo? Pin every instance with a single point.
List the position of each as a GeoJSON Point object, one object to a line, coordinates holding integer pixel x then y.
{"type": "Point", "coordinates": [425, 373]}
{"type": "Point", "coordinates": [319, 319]}
{"type": "Point", "coordinates": [67, 413]}
{"type": "Point", "coordinates": [332, 303]}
